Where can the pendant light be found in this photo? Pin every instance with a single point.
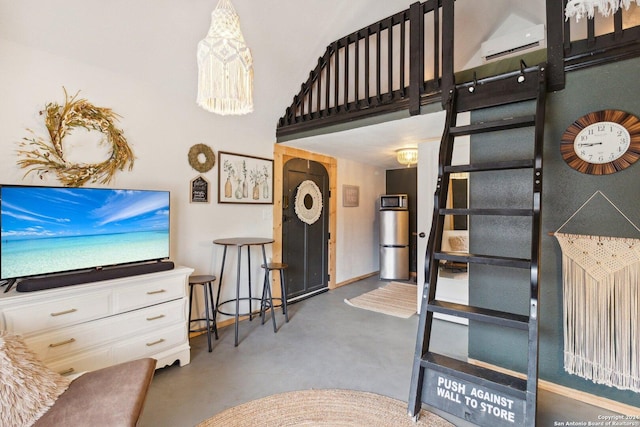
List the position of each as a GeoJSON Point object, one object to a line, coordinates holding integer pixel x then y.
{"type": "Point", "coordinates": [407, 156]}
{"type": "Point", "coordinates": [225, 65]}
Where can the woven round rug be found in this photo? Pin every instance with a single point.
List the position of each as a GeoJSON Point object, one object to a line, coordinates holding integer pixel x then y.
{"type": "Point", "coordinates": [346, 408]}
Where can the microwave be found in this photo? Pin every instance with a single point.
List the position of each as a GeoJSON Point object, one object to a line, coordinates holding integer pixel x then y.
{"type": "Point", "coordinates": [394, 201]}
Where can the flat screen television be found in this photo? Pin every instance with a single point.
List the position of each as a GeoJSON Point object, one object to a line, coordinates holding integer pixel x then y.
{"type": "Point", "coordinates": [49, 230]}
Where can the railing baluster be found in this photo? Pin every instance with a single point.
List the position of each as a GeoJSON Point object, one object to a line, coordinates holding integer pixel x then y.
{"type": "Point", "coordinates": [378, 54]}
{"type": "Point", "coordinates": [591, 32]}
{"type": "Point", "coordinates": [319, 91]}
{"type": "Point", "coordinates": [310, 100]}
{"type": "Point", "coordinates": [336, 70]}
{"type": "Point", "coordinates": [617, 24]}
{"type": "Point", "coordinates": [327, 105]}
{"type": "Point", "coordinates": [346, 75]}
{"type": "Point", "coordinates": [366, 68]}
{"type": "Point", "coordinates": [403, 46]}
{"type": "Point", "coordinates": [357, 71]}
{"type": "Point", "coordinates": [390, 59]}
{"type": "Point", "coordinates": [436, 43]}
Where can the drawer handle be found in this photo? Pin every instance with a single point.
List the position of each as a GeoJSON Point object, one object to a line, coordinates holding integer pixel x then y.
{"type": "Point", "coordinates": [67, 372]}
{"type": "Point", "coordinates": [156, 292]}
{"type": "Point", "coordinates": [60, 313]}
{"type": "Point", "coordinates": [58, 344]}
{"type": "Point", "coordinates": [155, 317]}
{"type": "Point", "coordinates": [150, 344]}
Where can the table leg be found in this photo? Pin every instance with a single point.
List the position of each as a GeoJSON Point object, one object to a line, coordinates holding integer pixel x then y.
{"type": "Point", "coordinates": [238, 294]}
{"type": "Point", "coordinates": [224, 257]}
{"type": "Point", "coordinates": [249, 278]}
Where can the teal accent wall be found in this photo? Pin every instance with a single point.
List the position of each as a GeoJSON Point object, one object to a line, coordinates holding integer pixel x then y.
{"type": "Point", "coordinates": [610, 86]}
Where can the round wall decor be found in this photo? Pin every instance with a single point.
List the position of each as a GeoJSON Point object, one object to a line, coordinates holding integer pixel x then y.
{"type": "Point", "coordinates": [207, 153]}
{"type": "Point", "coordinates": [602, 142]}
{"type": "Point", "coordinates": [42, 157]}
{"type": "Point", "coordinates": [308, 203]}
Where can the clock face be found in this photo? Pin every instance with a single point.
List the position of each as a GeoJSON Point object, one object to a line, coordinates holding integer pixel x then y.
{"type": "Point", "coordinates": [602, 142]}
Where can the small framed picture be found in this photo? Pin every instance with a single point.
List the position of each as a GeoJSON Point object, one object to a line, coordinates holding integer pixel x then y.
{"type": "Point", "coordinates": [350, 196]}
{"type": "Point", "coordinates": [199, 190]}
{"type": "Point", "coordinates": [244, 179]}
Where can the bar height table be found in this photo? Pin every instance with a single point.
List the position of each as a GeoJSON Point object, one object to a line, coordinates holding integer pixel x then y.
{"type": "Point", "coordinates": [239, 243]}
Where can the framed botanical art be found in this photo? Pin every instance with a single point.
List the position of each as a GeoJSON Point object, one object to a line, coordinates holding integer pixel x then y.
{"type": "Point", "coordinates": [244, 179]}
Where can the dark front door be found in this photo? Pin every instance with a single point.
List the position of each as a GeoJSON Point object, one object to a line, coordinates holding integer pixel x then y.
{"type": "Point", "coordinates": [304, 238]}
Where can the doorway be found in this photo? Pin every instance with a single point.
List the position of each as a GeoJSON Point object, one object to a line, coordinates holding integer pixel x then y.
{"type": "Point", "coordinates": [305, 221]}
{"type": "Point", "coordinates": [282, 155]}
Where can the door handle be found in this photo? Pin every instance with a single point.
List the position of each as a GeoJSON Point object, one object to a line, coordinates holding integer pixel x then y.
{"type": "Point", "coordinates": [422, 235]}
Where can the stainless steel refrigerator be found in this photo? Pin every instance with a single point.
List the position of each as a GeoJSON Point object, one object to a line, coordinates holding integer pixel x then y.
{"type": "Point", "coordinates": [394, 237]}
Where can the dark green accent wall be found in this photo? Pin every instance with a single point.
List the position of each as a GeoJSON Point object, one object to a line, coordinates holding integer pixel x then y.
{"type": "Point", "coordinates": [610, 86]}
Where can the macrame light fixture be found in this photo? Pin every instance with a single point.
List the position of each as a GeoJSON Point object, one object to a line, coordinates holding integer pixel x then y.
{"type": "Point", "coordinates": [580, 8]}
{"type": "Point", "coordinates": [225, 65]}
{"type": "Point", "coordinates": [407, 156]}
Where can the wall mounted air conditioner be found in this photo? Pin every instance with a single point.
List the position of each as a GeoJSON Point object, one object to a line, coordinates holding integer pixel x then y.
{"type": "Point", "coordinates": [513, 42]}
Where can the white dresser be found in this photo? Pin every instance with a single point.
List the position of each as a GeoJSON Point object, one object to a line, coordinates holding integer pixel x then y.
{"type": "Point", "coordinates": [90, 326]}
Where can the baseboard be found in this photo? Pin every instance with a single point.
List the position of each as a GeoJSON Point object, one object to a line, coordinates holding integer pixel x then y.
{"type": "Point", "coordinates": [355, 279]}
{"type": "Point", "coordinates": [581, 396]}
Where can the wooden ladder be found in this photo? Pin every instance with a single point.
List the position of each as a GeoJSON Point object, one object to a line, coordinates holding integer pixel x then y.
{"type": "Point", "coordinates": [477, 394]}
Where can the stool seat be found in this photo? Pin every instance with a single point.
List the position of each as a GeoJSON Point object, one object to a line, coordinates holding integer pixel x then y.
{"type": "Point", "coordinates": [201, 279]}
{"type": "Point", "coordinates": [274, 266]}
{"type": "Point", "coordinates": [210, 308]}
{"type": "Point", "coordinates": [267, 298]}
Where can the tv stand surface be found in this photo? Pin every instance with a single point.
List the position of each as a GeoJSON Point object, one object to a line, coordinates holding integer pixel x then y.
{"type": "Point", "coordinates": [90, 326]}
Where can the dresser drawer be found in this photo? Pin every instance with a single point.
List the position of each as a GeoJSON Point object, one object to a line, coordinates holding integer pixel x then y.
{"type": "Point", "coordinates": [149, 344]}
{"type": "Point", "coordinates": [73, 339]}
{"type": "Point", "coordinates": [147, 293]}
{"type": "Point", "coordinates": [89, 361]}
{"type": "Point", "coordinates": [59, 312]}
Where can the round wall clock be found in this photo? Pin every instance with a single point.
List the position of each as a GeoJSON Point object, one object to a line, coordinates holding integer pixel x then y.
{"type": "Point", "coordinates": [602, 142]}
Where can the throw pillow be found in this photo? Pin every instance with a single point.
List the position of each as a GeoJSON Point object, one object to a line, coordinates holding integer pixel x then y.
{"type": "Point", "coordinates": [27, 387]}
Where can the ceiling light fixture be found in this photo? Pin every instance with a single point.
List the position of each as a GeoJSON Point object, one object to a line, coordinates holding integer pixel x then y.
{"type": "Point", "coordinates": [407, 156]}
{"type": "Point", "coordinates": [225, 65]}
{"type": "Point", "coordinates": [580, 8]}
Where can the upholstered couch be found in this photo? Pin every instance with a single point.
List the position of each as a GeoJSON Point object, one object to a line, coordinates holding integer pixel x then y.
{"type": "Point", "coordinates": [112, 396]}
{"type": "Point", "coordinates": [33, 395]}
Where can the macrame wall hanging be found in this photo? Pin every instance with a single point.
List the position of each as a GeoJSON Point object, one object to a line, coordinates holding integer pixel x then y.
{"type": "Point", "coordinates": [600, 278]}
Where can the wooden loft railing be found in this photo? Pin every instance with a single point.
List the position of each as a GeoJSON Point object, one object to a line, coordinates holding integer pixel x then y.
{"type": "Point", "coordinates": [405, 61]}
{"type": "Point", "coordinates": [590, 42]}
{"type": "Point", "coordinates": [378, 69]}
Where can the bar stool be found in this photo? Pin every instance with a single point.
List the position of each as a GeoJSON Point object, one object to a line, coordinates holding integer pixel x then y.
{"type": "Point", "coordinates": [210, 315]}
{"type": "Point", "coordinates": [267, 298]}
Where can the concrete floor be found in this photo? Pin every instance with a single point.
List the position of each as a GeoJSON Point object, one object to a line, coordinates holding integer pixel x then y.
{"type": "Point", "coordinates": [326, 344]}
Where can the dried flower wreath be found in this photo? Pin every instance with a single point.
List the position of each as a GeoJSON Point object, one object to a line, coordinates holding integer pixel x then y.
{"type": "Point", "coordinates": [41, 157]}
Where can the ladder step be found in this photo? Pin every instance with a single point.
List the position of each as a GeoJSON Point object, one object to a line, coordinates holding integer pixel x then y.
{"type": "Point", "coordinates": [493, 126]}
{"type": "Point", "coordinates": [484, 377]}
{"type": "Point", "coordinates": [486, 315]}
{"type": "Point", "coordinates": [498, 212]}
{"type": "Point", "coordinates": [483, 259]}
{"type": "Point", "coordinates": [491, 166]}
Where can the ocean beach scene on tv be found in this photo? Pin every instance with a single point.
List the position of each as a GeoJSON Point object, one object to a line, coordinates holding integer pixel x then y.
{"type": "Point", "coordinates": [52, 230]}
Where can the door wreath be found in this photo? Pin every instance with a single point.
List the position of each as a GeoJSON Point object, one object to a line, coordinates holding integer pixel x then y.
{"type": "Point", "coordinates": [42, 157]}
{"type": "Point", "coordinates": [308, 214]}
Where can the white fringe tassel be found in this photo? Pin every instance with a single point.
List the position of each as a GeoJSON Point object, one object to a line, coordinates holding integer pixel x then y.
{"type": "Point", "coordinates": [225, 65]}
{"type": "Point", "coordinates": [580, 8]}
{"type": "Point", "coordinates": [601, 322]}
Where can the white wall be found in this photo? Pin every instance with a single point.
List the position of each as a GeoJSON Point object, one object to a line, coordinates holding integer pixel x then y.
{"type": "Point", "coordinates": [357, 227]}
{"type": "Point", "coordinates": [138, 58]}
